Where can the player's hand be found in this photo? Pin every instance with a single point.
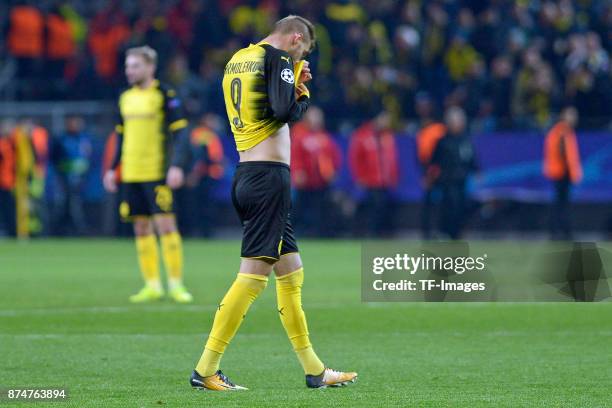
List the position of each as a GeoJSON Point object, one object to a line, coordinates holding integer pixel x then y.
{"type": "Point", "coordinates": [175, 177]}
{"type": "Point", "coordinates": [301, 90]}
{"type": "Point", "coordinates": [110, 181]}
{"type": "Point", "coordinates": [305, 75]}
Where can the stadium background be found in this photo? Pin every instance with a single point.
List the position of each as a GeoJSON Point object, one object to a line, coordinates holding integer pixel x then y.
{"type": "Point", "coordinates": [65, 320]}
{"type": "Point", "coordinates": [512, 65]}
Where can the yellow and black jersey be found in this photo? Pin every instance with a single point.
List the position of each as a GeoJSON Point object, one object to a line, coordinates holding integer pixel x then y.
{"type": "Point", "coordinates": [259, 92]}
{"type": "Point", "coordinates": [150, 121]}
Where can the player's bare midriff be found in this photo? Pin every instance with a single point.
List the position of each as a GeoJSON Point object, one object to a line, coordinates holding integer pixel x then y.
{"type": "Point", "coordinates": [276, 147]}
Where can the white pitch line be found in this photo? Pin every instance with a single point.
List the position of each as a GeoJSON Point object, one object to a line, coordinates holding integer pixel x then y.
{"type": "Point", "coordinates": [102, 309]}
{"type": "Point", "coordinates": [46, 311]}
{"type": "Point", "coordinates": [136, 309]}
{"type": "Point", "coordinates": [427, 334]}
{"type": "Point", "coordinates": [152, 309]}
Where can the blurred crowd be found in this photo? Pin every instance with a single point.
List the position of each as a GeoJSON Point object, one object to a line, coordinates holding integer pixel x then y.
{"type": "Point", "coordinates": [381, 69]}
{"type": "Point", "coordinates": [508, 63]}
{"type": "Point", "coordinates": [52, 184]}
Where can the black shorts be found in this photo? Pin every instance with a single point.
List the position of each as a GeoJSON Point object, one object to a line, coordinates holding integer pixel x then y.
{"type": "Point", "coordinates": [261, 194]}
{"type": "Point", "coordinates": [145, 199]}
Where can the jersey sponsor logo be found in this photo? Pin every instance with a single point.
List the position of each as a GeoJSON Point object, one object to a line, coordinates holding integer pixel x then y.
{"type": "Point", "coordinates": [288, 59]}
{"type": "Point", "coordinates": [287, 76]}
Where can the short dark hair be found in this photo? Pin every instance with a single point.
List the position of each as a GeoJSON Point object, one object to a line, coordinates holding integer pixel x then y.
{"type": "Point", "coordinates": [292, 24]}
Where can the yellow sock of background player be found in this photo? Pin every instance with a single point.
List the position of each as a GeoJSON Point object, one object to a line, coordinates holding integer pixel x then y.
{"type": "Point", "coordinates": [289, 299]}
{"type": "Point", "coordinates": [148, 259]}
{"type": "Point", "coordinates": [229, 316]}
{"type": "Point", "coordinates": [172, 253]}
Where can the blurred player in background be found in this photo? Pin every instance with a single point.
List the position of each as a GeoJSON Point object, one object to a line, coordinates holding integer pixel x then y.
{"type": "Point", "coordinates": [152, 133]}
{"type": "Point", "coordinates": [264, 90]}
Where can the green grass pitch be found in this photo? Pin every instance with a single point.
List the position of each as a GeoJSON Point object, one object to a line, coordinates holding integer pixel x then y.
{"type": "Point", "coordinates": [65, 321]}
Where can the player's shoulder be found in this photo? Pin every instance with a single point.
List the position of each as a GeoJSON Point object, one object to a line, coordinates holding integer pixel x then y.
{"type": "Point", "coordinates": [273, 54]}
{"type": "Point", "coordinates": [167, 90]}
{"type": "Point", "coordinates": [122, 91]}
{"type": "Point", "coordinates": [250, 52]}
{"type": "Point", "coordinates": [171, 98]}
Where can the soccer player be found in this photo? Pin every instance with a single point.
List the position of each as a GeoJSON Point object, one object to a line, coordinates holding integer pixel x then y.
{"type": "Point", "coordinates": [262, 94]}
{"type": "Point", "coordinates": [152, 131]}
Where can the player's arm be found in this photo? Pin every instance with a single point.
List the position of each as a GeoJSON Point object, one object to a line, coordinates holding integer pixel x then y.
{"type": "Point", "coordinates": [119, 145]}
{"type": "Point", "coordinates": [110, 177]}
{"type": "Point", "coordinates": [177, 127]}
{"type": "Point", "coordinates": [280, 83]}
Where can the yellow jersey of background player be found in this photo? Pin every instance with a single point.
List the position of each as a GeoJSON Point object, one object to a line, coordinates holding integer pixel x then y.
{"type": "Point", "coordinates": [264, 91]}
{"type": "Point", "coordinates": [152, 150]}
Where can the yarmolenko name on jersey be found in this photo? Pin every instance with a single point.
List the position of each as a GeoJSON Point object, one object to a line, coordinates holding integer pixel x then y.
{"type": "Point", "coordinates": [244, 67]}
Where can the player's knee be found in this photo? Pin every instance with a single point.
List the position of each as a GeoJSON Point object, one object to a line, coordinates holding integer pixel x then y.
{"type": "Point", "coordinates": [288, 263]}
{"type": "Point", "coordinates": [255, 266]}
{"type": "Point", "coordinates": [165, 224]}
{"type": "Point", "coordinates": [142, 227]}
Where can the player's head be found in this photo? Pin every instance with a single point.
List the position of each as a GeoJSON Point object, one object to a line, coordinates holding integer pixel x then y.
{"type": "Point", "coordinates": [570, 116]}
{"type": "Point", "coordinates": [297, 36]}
{"type": "Point", "coordinates": [455, 120]}
{"type": "Point", "coordinates": [140, 64]}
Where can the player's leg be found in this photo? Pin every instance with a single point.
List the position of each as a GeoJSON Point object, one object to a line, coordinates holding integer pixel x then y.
{"type": "Point", "coordinates": [255, 195]}
{"type": "Point", "coordinates": [161, 204]}
{"type": "Point", "coordinates": [172, 255]}
{"type": "Point", "coordinates": [135, 209]}
{"type": "Point", "coordinates": [148, 260]}
{"type": "Point", "coordinates": [289, 280]}
{"type": "Point", "coordinates": [231, 311]}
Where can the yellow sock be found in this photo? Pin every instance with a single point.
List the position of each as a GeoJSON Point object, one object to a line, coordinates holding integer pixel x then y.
{"type": "Point", "coordinates": [309, 360]}
{"type": "Point", "coordinates": [148, 259]}
{"type": "Point", "coordinates": [229, 316]}
{"type": "Point", "coordinates": [172, 253]}
{"type": "Point", "coordinates": [289, 298]}
{"type": "Point", "coordinates": [209, 362]}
